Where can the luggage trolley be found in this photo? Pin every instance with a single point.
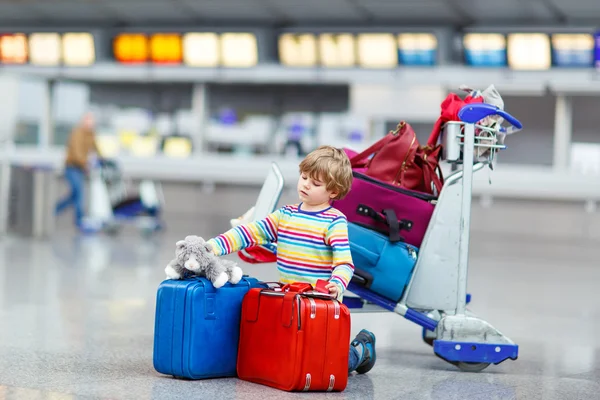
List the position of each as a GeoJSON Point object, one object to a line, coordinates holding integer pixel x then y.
{"type": "Point", "coordinates": [436, 296]}
{"type": "Point", "coordinates": [111, 206]}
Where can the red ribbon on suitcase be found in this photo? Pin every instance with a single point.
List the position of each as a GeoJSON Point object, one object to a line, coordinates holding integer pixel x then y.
{"type": "Point", "coordinates": [307, 330]}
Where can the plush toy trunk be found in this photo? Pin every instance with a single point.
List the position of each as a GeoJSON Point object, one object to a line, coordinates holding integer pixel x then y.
{"type": "Point", "coordinates": [196, 330]}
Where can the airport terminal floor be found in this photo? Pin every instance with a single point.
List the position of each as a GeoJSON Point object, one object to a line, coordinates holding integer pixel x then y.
{"type": "Point", "coordinates": [77, 312]}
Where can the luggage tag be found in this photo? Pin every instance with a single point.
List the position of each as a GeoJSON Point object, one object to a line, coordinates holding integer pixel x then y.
{"type": "Point", "coordinates": [319, 295]}
{"type": "Point", "coordinates": [321, 286]}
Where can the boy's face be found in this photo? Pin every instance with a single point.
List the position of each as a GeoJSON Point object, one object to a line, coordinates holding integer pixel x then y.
{"type": "Point", "coordinates": [313, 192]}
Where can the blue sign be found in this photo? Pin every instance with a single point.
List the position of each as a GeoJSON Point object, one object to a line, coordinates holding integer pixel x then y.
{"type": "Point", "coordinates": [597, 49]}
{"type": "Point", "coordinates": [575, 50]}
{"type": "Point", "coordinates": [485, 58]}
{"type": "Point", "coordinates": [227, 116]}
{"type": "Point", "coordinates": [417, 57]}
{"type": "Point", "coordinates": [572, 58]}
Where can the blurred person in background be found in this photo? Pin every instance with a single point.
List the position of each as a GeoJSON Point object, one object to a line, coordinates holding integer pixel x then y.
{"type": "Point", "coordinates": [82, 142]}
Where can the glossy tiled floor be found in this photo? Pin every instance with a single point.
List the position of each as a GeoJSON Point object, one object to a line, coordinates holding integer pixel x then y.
{"type": "Point", "coordinates": [76, 313]}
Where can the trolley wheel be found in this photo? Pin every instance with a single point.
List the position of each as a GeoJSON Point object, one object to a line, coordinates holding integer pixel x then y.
{"type": "Point", "coordinates": [426, 339]}
{"type": "Point", "coordinates": [112, 229]}
{"type": "Point", "coordinates": [147, 232]}
{"type": "Point", "coordinates": [471, 366]}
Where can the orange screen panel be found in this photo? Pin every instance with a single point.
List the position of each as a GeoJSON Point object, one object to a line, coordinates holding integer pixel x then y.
{"type": "Point", "coordinates": [131, 48]}
{"type": "Point", "coordinates": [13, 49]}
{"type": "Point", "coordinates": [166, 48]}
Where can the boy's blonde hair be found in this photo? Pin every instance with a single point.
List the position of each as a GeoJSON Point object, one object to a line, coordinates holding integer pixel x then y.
{"type": "Point", "coordinates": [330, 166]}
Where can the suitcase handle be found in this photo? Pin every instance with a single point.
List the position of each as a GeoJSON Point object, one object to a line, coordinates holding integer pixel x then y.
{"type": "Point", "coordinates": [389, 218]}
{"type": "Point", "coordinates": [362, 278]}
{"type": "Point", "coordinates": [277, 285]}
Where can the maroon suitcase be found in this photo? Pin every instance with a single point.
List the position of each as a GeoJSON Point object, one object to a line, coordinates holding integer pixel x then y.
{"type": "Point", "coordinates": [400, 213]}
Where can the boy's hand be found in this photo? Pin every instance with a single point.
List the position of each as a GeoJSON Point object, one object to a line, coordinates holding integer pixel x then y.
{"type": "Point", "coordinates": [333, 289]}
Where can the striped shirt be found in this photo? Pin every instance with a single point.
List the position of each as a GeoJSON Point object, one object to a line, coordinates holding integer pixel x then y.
{"type": "Point", "coordinates": [310, 245]}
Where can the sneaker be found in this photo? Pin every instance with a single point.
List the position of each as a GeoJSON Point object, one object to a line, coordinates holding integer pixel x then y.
{"type": "Point", "coordinates": [369, 356]}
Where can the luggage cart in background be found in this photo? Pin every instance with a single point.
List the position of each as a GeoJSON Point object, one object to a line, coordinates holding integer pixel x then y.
{"type": "Point", "coordinates": [436, 296]}
{"type": "Point", "coordinates": [111, 207]}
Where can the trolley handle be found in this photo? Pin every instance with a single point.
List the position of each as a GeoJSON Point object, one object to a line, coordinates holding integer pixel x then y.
{"type": "Point", "coordinates": [471, 113]}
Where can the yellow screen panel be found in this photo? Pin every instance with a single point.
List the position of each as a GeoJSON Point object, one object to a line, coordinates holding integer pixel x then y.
{"type": "Point", "coordinates": [131, 48]}
{"type": "Point", "coordinates": [573, 41]}
{"type": "Point", "coordinates": [108, 145]}
{"type": "Point", "coordinates": [484, 42]}
{"type": "Point", "coordinates": [298, 50]}
{"type": "Point", "coordinates": [417, 41]}
{"type": "Point", "coordinates": [529, 51]}
{"type": "Point", "coordinates": [239, 50]}
{"type": "Point", "coordinates": [337, 50]}
{"type": "Point", "coordinates": [166, 48]}
{"type": "Point", "coordinates": [177, 147]}
{"type": "Point", "coordinates": [45, 49]}
{"type": "Point", "coordinates": [144, 146]}
{"type": "Point", "coordinates": [78, 49]}
{"type": "Point", "coordinates": [201, 49]}
{"type": "Point", "coordinates": [13, 49]}
{"type": "Point", "coordinates": [377, 50]}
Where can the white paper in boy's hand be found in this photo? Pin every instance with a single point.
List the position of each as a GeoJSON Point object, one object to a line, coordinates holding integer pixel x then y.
{"type": "Point", "coordinates": [321, 295]}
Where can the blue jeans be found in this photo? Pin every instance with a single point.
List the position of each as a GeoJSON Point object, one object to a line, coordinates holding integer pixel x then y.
{"type": "Point", "coordinates": [76, 178]}
{"type": "Point", "coordinates": [354, 359]}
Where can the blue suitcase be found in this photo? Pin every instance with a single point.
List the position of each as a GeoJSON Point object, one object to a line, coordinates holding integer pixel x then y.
{"type": "Point", "coordinates": [197, 327]}
{"type": "Point", "coordinates": [381, 266]}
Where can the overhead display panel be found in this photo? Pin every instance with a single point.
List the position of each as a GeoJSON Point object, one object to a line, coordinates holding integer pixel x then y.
{"type": "Point", "coordinates": [485, 49]}
{"type": "Point", "coordinates": [45, 49]}
{"type": "Point", "coordinates": [529, 51]}
{"type": "Point", "coordinates": [13, 49]}
{"type": "Point", "coordinates": [298, 50]}
{"type": "Point", "coordinates": [366, 50]}
{"type": "Point", "coordinates": [572, 50]}
{"type": "Point", "coordinates": [198, 49]}
{"type": "Point", "coordinates": [377, 50]}
{"type": "Point", "coordinates": [417, 49]}
{"type": "Point", "coordinates": [166, 48]}
{"type": "Point", "coordinates": [239, 50]}
{"type": "Point", "coordinates": [78, 49]}
{"type": "Point", "coordinates": [131, 48]}
{"type": "Point", "coordinates": [337, 50]}
{"type": "Point", "coordinates": [201, 49]}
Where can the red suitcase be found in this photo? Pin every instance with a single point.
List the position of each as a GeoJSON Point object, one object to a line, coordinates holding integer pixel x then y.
{"type": "Point", "coordinates": [294, 339]}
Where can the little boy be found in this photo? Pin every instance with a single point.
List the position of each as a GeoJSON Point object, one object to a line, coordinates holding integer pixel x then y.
{"type": "Point", "coordinates": [312, 237]}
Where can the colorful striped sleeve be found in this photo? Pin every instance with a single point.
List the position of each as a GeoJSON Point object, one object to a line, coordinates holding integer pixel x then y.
{"type": "Point", "coordinates": [243, 236]}
{"type": "Point", "coordinates": [343, 266]}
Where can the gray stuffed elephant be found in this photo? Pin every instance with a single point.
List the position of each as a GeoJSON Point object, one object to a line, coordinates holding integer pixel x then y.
{"type": "Point", "coordinates": [193, 254]}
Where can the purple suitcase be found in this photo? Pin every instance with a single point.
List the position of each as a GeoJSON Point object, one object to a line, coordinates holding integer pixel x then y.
{"type": "Point", "coordinates": [400, 213]}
